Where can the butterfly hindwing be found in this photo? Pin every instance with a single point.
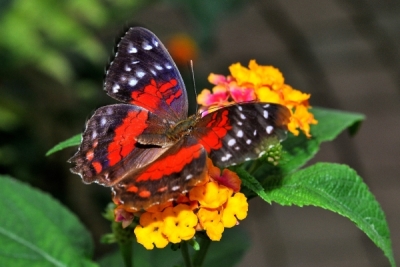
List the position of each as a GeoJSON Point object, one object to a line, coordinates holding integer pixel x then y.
{"type": "Point", "coordinates": [180, 168]}
{"type": "Point", "coordinates": [109, 148]}
{"type": "Point", "coordinates": [241, 132]}
{"type": "Point", "coordinates": [144, 74]}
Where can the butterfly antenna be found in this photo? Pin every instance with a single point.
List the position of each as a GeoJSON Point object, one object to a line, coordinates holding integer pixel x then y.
{"type": "Point", "coordinates": [194, 84]}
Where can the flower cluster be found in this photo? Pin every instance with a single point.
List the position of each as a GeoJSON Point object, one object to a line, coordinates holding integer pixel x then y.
{"type": "Point", "coordinates": [211, 206]}
{"type": "Point", "coordinates": [261, 83]}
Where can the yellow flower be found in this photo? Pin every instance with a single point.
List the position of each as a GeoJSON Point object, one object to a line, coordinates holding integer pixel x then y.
{"type": "Point", "coordinates": [262, 83]}
{"type": "Point", "coordinates": [179, 223]}
{"type": "Point", "coordinates": [211, 195]}
{"type": "Point", "coordinates": [236, 209]}
{"type": "Point", "coordinates": [210, 221]}
{"type": "Point", "coordinates": [148, 233]}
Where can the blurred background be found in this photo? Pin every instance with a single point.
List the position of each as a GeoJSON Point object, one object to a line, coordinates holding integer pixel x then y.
{"type": "Point", "coordinates": [345, 53]}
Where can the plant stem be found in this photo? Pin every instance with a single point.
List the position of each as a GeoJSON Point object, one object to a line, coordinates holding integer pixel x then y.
{"type": "Point", "coordinates": [199, 257]}
{"type": "Point", "coordinates": [126, 251]}
{"type": "Point", "coordinates": [185, 254]}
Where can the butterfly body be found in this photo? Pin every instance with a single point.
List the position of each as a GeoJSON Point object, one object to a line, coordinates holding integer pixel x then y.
{"type": "Point", "coordinates": [148, 150]}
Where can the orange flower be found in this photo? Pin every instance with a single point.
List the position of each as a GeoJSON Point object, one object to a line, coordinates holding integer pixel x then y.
{"type": "Point", "coordinates": [262, 83]}
{"type": "Point", "coordinates": [182, 49]}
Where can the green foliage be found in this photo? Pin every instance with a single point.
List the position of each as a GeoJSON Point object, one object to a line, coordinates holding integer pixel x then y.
{"type": "Point", "coordinates": [337, 188]}
{"type": "Point", "coordinates": [73, 141]}
{"type": "Point", "coordinates": [36, 230]}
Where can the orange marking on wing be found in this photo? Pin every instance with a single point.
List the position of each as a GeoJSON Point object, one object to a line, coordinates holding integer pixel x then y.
{"type": "Point", "coordinates": [218, 128]}
{"type": "Point", "coordinates": [90, 155]}
{"type": "Point", "coordinates": [95, 143]}
{"type": "Point", "coordinates": [171, 164]}
{"type": "Point", "coordinates": [124, 139]}
{"type": "Point", "coordinates": [144, 194]}
{"type": "Point", "coordinates": [97, 166]}
{"type": "Point", "coordinates": [162, 189]}
{"type": "Point", "coordinates": [132, 189]}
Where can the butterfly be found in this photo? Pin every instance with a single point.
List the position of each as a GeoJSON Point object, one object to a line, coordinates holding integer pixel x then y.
{"type": "Point", "coordinates": [147, 149]}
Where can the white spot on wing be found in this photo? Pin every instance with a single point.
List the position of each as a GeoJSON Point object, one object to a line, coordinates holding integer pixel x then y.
{"type": "Point", "coordinates": [231, 142]}
{"type": "Point", "coordinates": [226, 157]}
{"type": "Point", "coordinates": [239, 123]}
{"type": "Point", "coordinates": [265, 114]}
{"type": "Point", "coordinates": [153, 72]}
{"type": "Point", "coordinates": [135, 62]}
{"type": "Point", "coordinates": [269, 129]}
{"type": "Point", "coordinates": [189, 176]}
{"type": "Point", "coordinates": [94, 134]}
{"type": "Point", "coordinates": [146, 46]}
{"type": "Point", "coordinates": [133, 81]}
{"type": "Point", "coordinates": [158, 66]}
{"type": "Point", "coordinates": [242, 116]}
{"type": "Point", "coordinates": [255, 132]}
{"type": "Point", "coordinates": [266, 106]}
{"type": "Point", "coordinates": [115, 88]}
{"type": "Point", "coordinates": [103, 121]}
{"type": "Point", "coordinates": [155, 43]}
{"type": "Point", "coordinates": [239, 133]}
{"type": "Point", "coordinates": [140, 73]}
{"type": "Point", "coordinates": [175, 188]}
{"type": "Point", "coordinates": [168, 66]}
{"type": "Point", "coordinates": [131, 49]}
{"type": "Point", "coordinates": [127, 68]}
{"type": "Point", "coordinates": [248, 141]}
{"type": "Point", "coordinates": [240, 108]}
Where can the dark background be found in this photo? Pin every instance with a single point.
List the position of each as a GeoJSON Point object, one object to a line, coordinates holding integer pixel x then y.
{"type": "Point", "coordinates": [345, 53]}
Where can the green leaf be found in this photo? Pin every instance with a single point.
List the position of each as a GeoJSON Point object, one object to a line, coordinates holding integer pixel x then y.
{"type": "Point", "coordinates": [225, 253]}
{"type": "Point", "coordinates": [36, 230]}
{"type": "Point", "coordinates": [298, 150]}
{"type": "Point", "coordinates": [337, 188]}
{"type": "Point", "coordinates": [73, 141]}
{"type": "Point", "coordinates": [251, 183]}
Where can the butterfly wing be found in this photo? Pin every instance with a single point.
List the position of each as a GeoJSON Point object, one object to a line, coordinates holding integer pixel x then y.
{"type": "Point", "coordinates": [241, 132]}
{"type": "Point", "coordinates": [180, 168]}
{"type": "Point", "coordinates": [144, 74]}
{"type": "Point", "coordinates": [109, 147]}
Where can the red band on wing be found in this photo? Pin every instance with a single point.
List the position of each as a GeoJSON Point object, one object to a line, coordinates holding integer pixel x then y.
{"type": "Point", "coordinates": [151, 95]}
{"type": "Point", "coordinates": [171, 164]}
{"type": "Point", "coordinates": [217, 127]}
{"type": "Point", "coordinates": [124, 140]}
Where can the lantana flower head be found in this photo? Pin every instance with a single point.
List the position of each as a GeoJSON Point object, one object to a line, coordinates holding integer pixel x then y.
{"type": "Point", "coordinates": [211, 206]}
{"type": "Point", "coordinates": [261, 83]}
